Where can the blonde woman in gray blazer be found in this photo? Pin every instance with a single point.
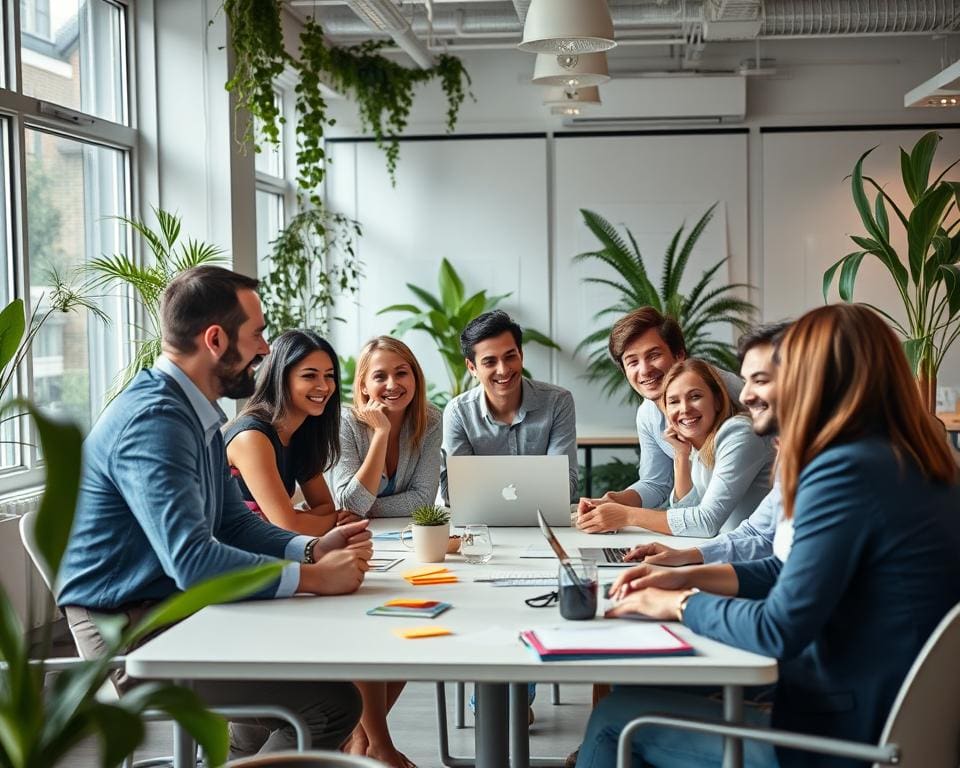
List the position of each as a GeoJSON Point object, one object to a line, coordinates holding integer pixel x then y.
{"type": "Point", "coordinates": [389, 465]}
{"type": "Point", "coordinates": [390, 440]}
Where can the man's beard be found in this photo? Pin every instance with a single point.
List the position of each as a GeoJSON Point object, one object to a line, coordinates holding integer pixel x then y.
{"type": "Point", "coordinates": [771, 428]}
{"type": "Point", "coordinates": [235, 382]}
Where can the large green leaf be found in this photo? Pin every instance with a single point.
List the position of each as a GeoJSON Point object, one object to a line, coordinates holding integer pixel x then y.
{"type": "Point", "coordinates": [848, 275]}
{"type": "Point", "coordinates": [425, 297]}
{"type": "Point", "coordinates": [224, 588]}
{"type": "Point", "coordinates": [451, 288]}
{"type": "Point", "coordinates": [687, 248]}
{"type": "Point", "coordinates": [883, 222]}
{"type": "Point", "coordinates": [413, 308]}
{"type": "Point", "coordinates": [921, 158]}
{"type": "Point", "coordinates": [535, 337]}
{"type": "Point", "coordinates": [61, 444]}
{"type": "Point", "coordinates": [924, 222]}
{"type": "Point", "coordinates": [914, 349]}
{"type": "Point", "coordinates": [121, 732]}
{"type": "Point", "coordinates": [951, 280]}
{"type": "Point", "coordinates": [13, 323]}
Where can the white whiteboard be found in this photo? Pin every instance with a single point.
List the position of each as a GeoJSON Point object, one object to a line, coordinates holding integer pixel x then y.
{"type": "Point", "coordinates": [808, 216]}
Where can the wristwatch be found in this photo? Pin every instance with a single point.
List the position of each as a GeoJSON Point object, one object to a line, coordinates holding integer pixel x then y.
{"type": "Point", "coordinates": [683, 603]}
{"type": "Point", "coordinates": [308, 550]}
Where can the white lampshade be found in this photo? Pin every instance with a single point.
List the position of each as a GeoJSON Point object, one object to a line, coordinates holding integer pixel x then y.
{"type": "Point", "coordinates": [567, 26]}
{"type": "Point", "coordinates": [571, 70]}
{"type": "Point", "coordinates": [571, 97]}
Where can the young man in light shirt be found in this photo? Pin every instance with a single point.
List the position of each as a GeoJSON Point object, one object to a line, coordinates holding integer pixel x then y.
{"type": "Point", "coordinates": [509, 414]}
{"type": "Point", "coordinates": [754, 537]}
{"type": "Point", "coordinates": [644, 344]}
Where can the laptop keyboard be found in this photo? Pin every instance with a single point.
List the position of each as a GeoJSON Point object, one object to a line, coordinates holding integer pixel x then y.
{"type": "Point", "coordinates": [614, 554]}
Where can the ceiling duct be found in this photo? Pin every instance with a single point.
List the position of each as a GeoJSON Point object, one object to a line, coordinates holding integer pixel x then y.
{"type": "Point", "coordinates": [732, 19]}
{"type": "Point", "coordinates": [826, 18]}
{"type": "Point", "coordinates": [384, 16]}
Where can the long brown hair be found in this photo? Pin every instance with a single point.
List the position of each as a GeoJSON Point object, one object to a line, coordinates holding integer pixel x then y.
{"type": "Point", "coordinates": [416, 413]}
{"type": "Point", "coordinates": [843, 375]}
{"type": "Point", "coordinates": [727, 407]}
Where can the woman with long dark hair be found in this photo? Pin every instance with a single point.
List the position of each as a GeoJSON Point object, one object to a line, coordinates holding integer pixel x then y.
{"type": "Point", "coordinates": [289, 432]}
{"type": "Point", "coordinates": [871, 490]}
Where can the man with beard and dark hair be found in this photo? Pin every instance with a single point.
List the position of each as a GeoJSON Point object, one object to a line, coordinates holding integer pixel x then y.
{"type": "Point", "coordinates": [754, 537]}
{"type": "Point", "coordinates": [158, 510]}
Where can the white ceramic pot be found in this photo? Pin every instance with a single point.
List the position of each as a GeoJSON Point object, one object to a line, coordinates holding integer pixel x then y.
{"type": "Point", "coordinates": [429, 541]}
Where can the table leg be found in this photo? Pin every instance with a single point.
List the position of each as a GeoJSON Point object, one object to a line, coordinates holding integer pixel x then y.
{"type": "Point", "coordinates": [184, 748]}
{"type": "Point", "coordinates": [490, 724]}
{"type": "Point", "coordinates": [519, 726]}
{"type": "Point", "coordinates": [588, 470]}
{"type": "Point", "coordinates": [732, 713]}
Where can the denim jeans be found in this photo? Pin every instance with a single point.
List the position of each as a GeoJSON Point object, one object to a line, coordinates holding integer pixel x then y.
{"type": "Point", "coordinates": [665, 747]}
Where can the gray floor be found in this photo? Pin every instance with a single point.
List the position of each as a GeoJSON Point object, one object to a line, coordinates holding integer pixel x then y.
{"type": "Point", "coordinates": [555, 733]}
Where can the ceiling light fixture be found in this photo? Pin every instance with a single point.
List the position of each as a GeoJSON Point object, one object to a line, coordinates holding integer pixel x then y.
{"type": "Point", "coordinates": [571, 97]}
{"type": "Point", "coordinates": [586, 69]}
{"type": "Point", "coordinates": [569, 27]}
{"type": "Point", "coordinates": [941, 90]}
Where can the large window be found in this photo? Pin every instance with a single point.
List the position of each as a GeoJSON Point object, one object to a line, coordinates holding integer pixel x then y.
{"type": "Point", "coordinates": [275, 186]}
{"type": "Point", "coordinates": [66, 164]}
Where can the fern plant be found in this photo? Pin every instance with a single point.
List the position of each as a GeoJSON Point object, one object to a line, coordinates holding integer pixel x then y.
{"type": "Point", "coordinates": [171, 256]}
{"type": "Point", "coordinates": [705, 305]}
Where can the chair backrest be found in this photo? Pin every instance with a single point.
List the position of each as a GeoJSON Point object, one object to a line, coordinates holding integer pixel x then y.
{"type": "Point", "coordinates": [925, 718]}
{"type": "Point", "coordinates": [319, 759]}
{"type": "Point", "coordinates": [28, 535]}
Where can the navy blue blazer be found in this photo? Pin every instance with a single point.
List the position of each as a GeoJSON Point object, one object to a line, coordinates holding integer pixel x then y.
{"type": "Point", "coordinates": [875, 565]}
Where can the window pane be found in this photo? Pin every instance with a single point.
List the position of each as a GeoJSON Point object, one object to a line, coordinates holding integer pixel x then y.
{"type": "Point", "coordinates": [270, 157]}
{"type": "Point", "coordinates": [269, 222]}
{"type": "Point", "coordinates": [9, 429]}
{"type": "Point", "coordinates": [73, 55]}
{"type": "Point", "coordinates": [73, 190]}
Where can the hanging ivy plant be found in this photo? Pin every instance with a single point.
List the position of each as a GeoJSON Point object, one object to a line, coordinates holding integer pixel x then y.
{"type": "Point", "coordinates": [314, 260]}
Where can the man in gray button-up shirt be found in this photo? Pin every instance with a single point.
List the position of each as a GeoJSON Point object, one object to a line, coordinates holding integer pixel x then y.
{"type": "Point", "coordinates": [509, 415]}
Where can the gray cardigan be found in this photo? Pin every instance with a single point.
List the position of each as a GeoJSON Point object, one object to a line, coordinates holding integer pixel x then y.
{"type": "Point", "coordinates": [418, 470]}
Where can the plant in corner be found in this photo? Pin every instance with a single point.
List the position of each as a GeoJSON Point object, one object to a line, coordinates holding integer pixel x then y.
{"type": "Point", "coordinates": [39, 725]}
{"type": "Point", "coordinates": [928, 281]}
{"type": "Point", "coordinates": [444, 317]}
{"type": "Point", "coordinates": [170, 258]}
{"type": "Point", "coordinates": [702, 306]}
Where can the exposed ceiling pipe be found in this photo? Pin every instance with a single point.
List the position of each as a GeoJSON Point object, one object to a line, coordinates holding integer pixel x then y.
{"type": "Point", "coordinates": [384, 16]}
{"type": "Point", "coordinates": [783, 18]}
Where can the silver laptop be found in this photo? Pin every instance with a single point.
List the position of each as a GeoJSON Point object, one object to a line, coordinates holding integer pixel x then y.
{"type": "Point", "coordinates": [602, 556]}
{"type": "Point", "coordinates": [507, 490]}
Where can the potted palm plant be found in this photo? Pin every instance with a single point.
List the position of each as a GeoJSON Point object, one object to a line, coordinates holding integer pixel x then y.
{"type": "Point", "coordinates": [696, 310]}
{"type": "Point", "coordinates": [928, 280]}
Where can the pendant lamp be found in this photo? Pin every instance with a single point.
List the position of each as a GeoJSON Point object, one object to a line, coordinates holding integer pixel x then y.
{"type": "Point", "coordinates": [571, 97]}
{"type": "Point", "coordinates": [567, 27]}
{"type": "Point", "coordinates": [571, 70]}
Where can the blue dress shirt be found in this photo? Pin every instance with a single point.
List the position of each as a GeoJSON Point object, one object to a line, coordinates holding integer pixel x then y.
{"type": "Point", "coordinates": [753, 538]}
{"type": "Point", "coordinates": [158, 510]}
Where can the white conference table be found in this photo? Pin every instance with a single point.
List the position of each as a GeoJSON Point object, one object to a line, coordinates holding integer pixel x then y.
{"type": "Point", "coordinates": [332, 638]}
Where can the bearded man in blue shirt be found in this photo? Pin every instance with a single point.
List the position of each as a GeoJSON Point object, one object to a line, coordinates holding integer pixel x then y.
{"type": "Point", "coordinates": [159, 511]}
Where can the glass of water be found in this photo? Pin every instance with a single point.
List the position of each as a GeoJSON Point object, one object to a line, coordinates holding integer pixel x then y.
{"type": "Point", "coordinates": [476, 545]}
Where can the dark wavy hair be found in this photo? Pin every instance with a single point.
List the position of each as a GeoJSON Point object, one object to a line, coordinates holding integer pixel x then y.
{"type": "Point", "coordinates": [315, 446]}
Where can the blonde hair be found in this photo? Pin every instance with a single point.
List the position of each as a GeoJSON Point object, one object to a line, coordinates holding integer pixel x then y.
{"type": "Point", "coordinates": [843, 375]}
{"type": "Point", "coordinates": [727, 407]}
{"type": "Point", "coordinates": [416, 413]}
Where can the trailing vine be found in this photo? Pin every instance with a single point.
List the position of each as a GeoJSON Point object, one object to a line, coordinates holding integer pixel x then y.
{"type": "Point", "coordinates": [314, 258]}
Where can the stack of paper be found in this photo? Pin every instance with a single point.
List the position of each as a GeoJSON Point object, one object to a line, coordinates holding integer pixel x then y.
{"type": "Point", "coordinates": [426, 609]}
{"type": "Point", "coordinates": [604, 639]}
{"type": "Point", "coordinates": [430, 574]}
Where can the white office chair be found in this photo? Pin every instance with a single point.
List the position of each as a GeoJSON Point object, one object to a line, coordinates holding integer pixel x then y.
{"type": "Point", "coordinates": [922, 729]}
{"type": "Point", "coordinates": [28, 535]}
{"type": "Point", "coordinates": [320, 759]}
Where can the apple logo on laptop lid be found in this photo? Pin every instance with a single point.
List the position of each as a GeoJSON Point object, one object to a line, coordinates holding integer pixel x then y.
{"type": "Point", "coordinates": [509, 492]}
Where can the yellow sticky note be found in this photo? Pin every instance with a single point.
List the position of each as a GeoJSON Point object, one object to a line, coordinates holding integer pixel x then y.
{"type": "Point", "coordinates": [410, 602]}
{"type": "Point", "coordinates": [427, 569]}
{"type": "Point", "coordinates": [438, 579]}
{"type": "Point", "coordinates": [416, 633]}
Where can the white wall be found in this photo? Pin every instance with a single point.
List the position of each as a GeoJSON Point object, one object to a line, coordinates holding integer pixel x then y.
{"type": "Point", "coordinates": [784, 212]}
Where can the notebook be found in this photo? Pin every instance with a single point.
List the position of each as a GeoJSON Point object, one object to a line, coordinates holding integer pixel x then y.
{"type": "Point", "coordinates": [605, 639]}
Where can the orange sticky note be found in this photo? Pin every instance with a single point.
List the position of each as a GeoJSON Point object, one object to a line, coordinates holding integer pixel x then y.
{"type": "Point", "coordinates": [417, 632]}
{"type": "Point", "coordinates": [411, 603]}
{"type": "Point", "coordinates": [426, 570]}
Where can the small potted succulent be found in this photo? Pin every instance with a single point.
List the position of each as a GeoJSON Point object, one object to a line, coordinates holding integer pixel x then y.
{"type": "Point", "coordinates": [430, 531]}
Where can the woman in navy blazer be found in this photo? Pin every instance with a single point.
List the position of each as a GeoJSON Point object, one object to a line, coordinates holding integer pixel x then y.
{"type": "Point", "coordinates": [871, 488]}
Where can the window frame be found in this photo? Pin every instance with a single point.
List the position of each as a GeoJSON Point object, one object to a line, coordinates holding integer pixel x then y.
{"type": "Point", "coordinates": [24, 113]}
